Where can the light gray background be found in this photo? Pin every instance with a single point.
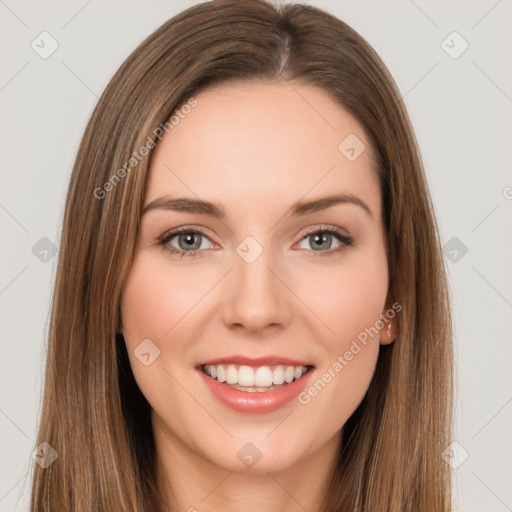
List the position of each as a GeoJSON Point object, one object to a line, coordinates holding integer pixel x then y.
{"type": "Point", "coordinates": [460, 107]}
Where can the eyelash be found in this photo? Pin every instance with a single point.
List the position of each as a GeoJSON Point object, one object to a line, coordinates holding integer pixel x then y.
{"type": "Point", "coordinates": [162, 241]}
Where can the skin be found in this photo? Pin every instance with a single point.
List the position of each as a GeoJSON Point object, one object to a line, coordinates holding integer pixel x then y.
{"type": "Point", "coordinates": [256, 149]}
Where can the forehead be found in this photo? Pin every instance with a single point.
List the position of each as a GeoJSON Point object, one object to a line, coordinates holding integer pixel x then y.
{"type": "Point", "coordinates": [263, 143]}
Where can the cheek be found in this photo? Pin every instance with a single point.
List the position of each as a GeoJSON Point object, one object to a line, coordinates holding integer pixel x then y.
{"type": "Point", "coordinates": [359, 301]}
{"type": "Point", "coordinates": [155, 299]}
{"type": "Point", "coordinates": [348, 299]}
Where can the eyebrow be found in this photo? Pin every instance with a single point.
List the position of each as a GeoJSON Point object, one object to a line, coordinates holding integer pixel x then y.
{"type": "Point", "coordinates": [191, 205]}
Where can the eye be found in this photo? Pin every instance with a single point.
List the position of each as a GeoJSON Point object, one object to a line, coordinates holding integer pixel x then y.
{"type": "Point", "coordinates": [321, 239]}
{"type": "Point", "coordinates": [188, 242]}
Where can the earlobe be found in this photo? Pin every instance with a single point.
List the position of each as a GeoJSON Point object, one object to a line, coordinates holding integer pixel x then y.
{"type": "Point", "coordinates": [388, 334]}
{"type": "Point", "coordinates": [389, 331]}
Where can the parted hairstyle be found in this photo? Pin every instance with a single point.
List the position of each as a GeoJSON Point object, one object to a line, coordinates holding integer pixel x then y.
{"type": "Point", "coordinates": [93, 413]}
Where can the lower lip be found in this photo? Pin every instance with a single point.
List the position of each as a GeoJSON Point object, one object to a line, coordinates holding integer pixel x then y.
{"type": "Point", "coordinates": [256, 402]}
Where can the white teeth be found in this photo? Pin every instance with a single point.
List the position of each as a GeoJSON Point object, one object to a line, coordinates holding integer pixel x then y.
{"type": "Point", "coordinates": [263, 377]}
{"type": "Point", "coordinates": [231, 375]}
{"type": "Point", "coordinates": [289, 374]}
{"type": "Point", "coordinates": [257, 379]}
{"type": "Point", "coordinates": [219, 369]}
{"type": "Point", "coordinates": [246, 376]}
{"type": "Point", "coordinates": [278, 375]}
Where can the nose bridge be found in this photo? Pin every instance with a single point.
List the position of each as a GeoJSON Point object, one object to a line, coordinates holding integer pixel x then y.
{"type": "Point", "coordinates": [256, 295]}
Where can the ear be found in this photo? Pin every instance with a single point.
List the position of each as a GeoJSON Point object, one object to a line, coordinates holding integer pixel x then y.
{"type": "Point", "coordinates": [390, 320]}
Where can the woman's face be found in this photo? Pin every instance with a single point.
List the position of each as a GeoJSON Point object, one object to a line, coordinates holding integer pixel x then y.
{"type": "Point", "coordinates": [268, 272]}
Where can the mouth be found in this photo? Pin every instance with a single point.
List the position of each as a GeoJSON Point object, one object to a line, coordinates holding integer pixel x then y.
{"type": "Point", "coordinates": [255, 387]}
{"type": "Point", "coordinates": [255, 379]}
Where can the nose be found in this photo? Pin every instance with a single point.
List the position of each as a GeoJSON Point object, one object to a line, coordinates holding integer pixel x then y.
{"type": "Point", "coordinates": [255, 298]}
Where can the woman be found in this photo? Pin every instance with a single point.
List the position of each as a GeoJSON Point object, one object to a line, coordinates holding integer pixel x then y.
{"type": "Point", "coordinates": [251, 309]}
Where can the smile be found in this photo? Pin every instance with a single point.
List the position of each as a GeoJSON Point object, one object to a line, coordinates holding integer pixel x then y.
{"type": "Point", "coordinates": [255, 387]}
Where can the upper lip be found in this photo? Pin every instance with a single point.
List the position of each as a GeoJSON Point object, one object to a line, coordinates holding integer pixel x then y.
{"type": "Point", "coordinates": [258, 361]}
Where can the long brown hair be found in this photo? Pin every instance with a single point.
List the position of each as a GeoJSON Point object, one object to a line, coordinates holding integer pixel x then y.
{"type": "Point", "coordinates": [93, 414]}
